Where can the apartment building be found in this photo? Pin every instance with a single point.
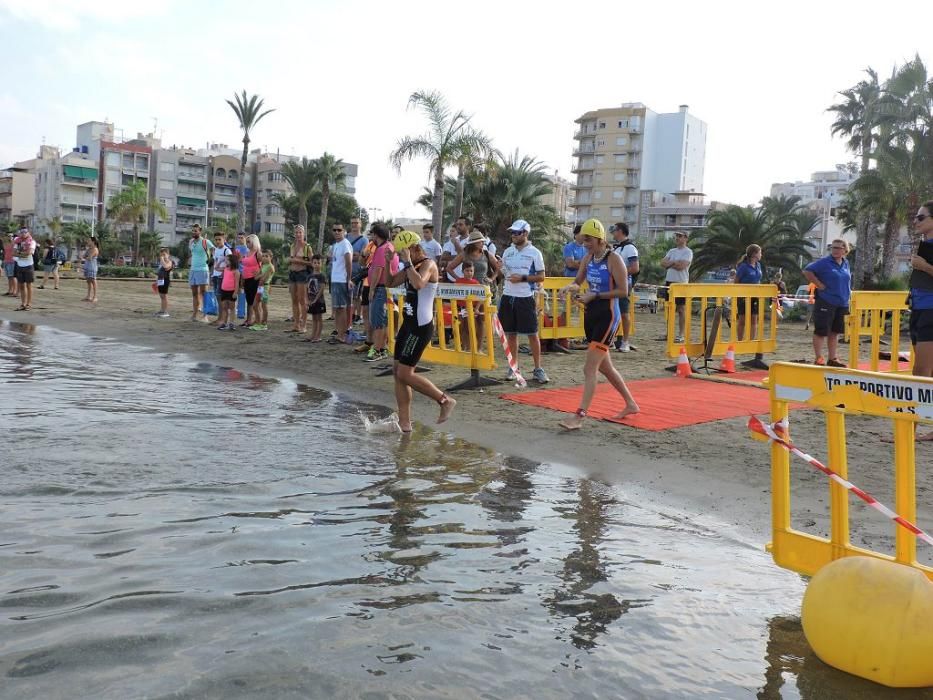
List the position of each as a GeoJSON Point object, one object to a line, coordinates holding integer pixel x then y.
{"type": "Point", "coordinates": [664, 214]}
{"type": "Point", "coordinates": [622, 151]}
{"type": "Point", "coordinates": [18, 192]}
{"type": "Point", "coordinates": [66, 187]}
{"type": "Point", "coordinates": [179, 182]}
{"type": "Point", "coordinates": [822, 194]}
{"type": "Point", "coordinates": [561, 197]}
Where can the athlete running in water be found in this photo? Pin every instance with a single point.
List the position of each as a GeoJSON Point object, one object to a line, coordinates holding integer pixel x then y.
{"type": "Point", "coordinates": [607, 279]}
{"type": "Point", "coordinates": [419, 274]}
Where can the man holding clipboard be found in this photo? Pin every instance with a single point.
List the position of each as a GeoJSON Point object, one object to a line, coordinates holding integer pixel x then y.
{"type": "Point", "coordinates": [921, 299]}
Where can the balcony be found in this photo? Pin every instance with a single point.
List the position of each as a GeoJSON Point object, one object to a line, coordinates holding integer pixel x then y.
{"type": "Point", "coordinates": [582, 167]}
{"type": "Point", "coordinates": [192, 175]}
{"type": "Point", "coordinates": [584, 149]}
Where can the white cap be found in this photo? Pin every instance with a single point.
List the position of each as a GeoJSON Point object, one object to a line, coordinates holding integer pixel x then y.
{"type": "Point", "coordinates": [520, 225]}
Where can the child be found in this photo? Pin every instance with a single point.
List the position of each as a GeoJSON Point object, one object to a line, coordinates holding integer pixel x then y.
{"type": "Point", "coordinates": [316, 305]}
{"type": "Point", "coordinates": [229, 286]}
{"type": "Point", "coordinates": [467, 270]}
{"type": "Point", "coordinates": [262, 296]}
{"type": "Point", "coordinates": [164, 280]}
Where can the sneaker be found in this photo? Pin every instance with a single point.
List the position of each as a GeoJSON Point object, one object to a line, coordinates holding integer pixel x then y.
{"type": "Point", "coordinates": [623, 346]}
{"type": "Point", "coordinates": [821, 361]}
{"type": "Point", "coordinates": [231, 327]}
{"type": "Point", "coordinates": [163, 315]}
{"type": "Point", "coordinates": [540, 376]}
{"type": "Point", "coordinates": [259, 327]}
{"type": "Point", "coordinates": [510, 375]}
{"type": "Point", "coordinates": [378, 356]}
{"type": "Point", "coordinates": [679, 339]}
{"type": "Point", "coordinates": [370, 354]}
{"type": "Point", "coordinates": [834, 362]}
{"type": "Point", "coordinates": [363, 347]}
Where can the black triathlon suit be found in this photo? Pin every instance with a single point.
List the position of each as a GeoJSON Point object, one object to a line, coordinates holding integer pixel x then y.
{"type": "Point", "coordinates": [412, 339]}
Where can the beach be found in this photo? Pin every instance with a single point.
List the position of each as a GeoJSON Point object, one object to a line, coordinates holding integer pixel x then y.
{"type": "Point", "coordinates": [713, 468]}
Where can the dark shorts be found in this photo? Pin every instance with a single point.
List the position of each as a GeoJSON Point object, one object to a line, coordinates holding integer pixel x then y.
{"type": "Point", "coordinates": [228, 295]}
{"type": "Point", "coordinates": [378, 318]}
{"type": "Point", "coordinates": [163, 288]}
{"type": "Point", "coordinates": [828, 318]}
{"type": "Point", "coordinates": [680, 301]}
{"type": "Point", "coordinates": [318, 308]}
{"type": "Point", "coordinates": [518, 315]}
{"type": "Point", "coordinates": [250, 287]}
{"type": "Point", "coordinates": [411, 341]}
{"type": "Point", "coordinates": [921, 326]}
{"type": "Point", "coordinates": [600, 323]}
{"type": "Point", "coordinates": [25, 275]}
{"type": "Point", "coordinates": [624, 305]}
{"type": "Point", "coordinates": [49, 267]}
{"type": "Point", "coordinates": [740, 308]}
{"type": "Point", "coordinates": [364, 297]}
{"type": "Point", "coordinates": [299, 277]}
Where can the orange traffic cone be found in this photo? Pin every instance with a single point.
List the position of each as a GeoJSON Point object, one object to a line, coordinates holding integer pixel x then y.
{"type": "Point", "coordinates": [728, 362]}
{"type": "Point", "coordinates": [683, 364]}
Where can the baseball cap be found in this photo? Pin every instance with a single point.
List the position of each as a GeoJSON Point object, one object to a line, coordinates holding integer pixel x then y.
{"type": "Point", "coordinates": [520, 225]}
{"type": "Point", "coordinates": [406, 239]}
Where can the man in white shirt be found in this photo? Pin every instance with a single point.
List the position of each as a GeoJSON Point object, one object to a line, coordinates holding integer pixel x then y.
{"type": "Point", "coordinates": [430, 247]}
{"type": "Point", "coordinates": [522, 267]}
{"type": "Point", "coordinates": [221, 250]}
{"type": "Point", "coordinates": [677, 263]}
{"type": "Point", "coordinates": [341, 283]}
{"type": "Point", "coordinates": [626, 250]}
{"type": "Point", "coordinates": [454, 246]}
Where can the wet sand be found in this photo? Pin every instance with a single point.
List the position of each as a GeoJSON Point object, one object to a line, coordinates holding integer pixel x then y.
{"type": "Point", "coordinates": [709, 468]}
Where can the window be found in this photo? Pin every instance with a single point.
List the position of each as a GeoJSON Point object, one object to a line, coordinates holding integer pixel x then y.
{"type": "Point", "coordinates": [600, 142]}
{"type": "Point", "coordinates": [602, 125]}
{"type": "Point", "coordinates": [166, 185]}
{"type": "Point", "coordinates": [112, 160]}
{"type": "Point", "coordinates": [275, 228]}
{"type": "Point", "coordinates": [618, 194]}
{"type": "Point", "coordinates": [620, 157]}
{"type": "Point", "coordinates": [127, 160]}
{"type": "Point", "coordinates": [142, 162]}
{"type": "Point", "coordinates": [275, 177]}
{"type": "Point", "coordinates": [220, 172]}
{"type": "Point", "coordinates": [600, 159]}
{"type": "Point", "coordinates": [623, 123]}
{"type": "Point", "coordinates": [113, 175]}
{"type": "Point", "coordinates": [619, 177]}
{"type": "Point", "coordinates": [232, 175]}
{"type": "Point", "coordinates": [621, 141]}
{"type": "Point", "coordinates": [167, 168]}
{"type": "Point", "coordinates": [615, 212]}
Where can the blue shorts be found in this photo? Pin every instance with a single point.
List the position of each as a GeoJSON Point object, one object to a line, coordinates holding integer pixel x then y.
{"type": "Point", "coordinates": [340, 295]}
{"type": "Point", "coordinates": [9, 269]}
{"type": "Point", "coordinates": [198, 278]}
{"type": "Point", "coordinates": [378, 318]}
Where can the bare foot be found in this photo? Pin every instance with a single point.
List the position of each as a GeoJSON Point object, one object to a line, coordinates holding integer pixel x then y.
{"type": "Point", "coordinates": [447, 408]}
{"type": "Point", "coordinates": [629, 410]}
{"type": "Point", "coordinates": [575, 422]}
{"type": "Point", "coordinates": [404, 427]}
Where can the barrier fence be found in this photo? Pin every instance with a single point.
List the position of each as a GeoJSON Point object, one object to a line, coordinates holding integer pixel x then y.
{"type": "Point", "coordinates": [715, 326]}
{"type": "Point", "coordinates": [839, 393]}
{"type": "Point", "coordinates": [563, 318]}
{"type": "Point", "coordinates": [870, 315]}
{"type": "Point", "coordinates": [463, 322]}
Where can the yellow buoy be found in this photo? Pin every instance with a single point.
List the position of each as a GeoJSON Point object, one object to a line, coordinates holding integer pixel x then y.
{"type": "Point", "coordinates": [872, 618]}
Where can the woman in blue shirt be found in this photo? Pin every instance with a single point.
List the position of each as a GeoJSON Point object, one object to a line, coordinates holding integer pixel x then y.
{"type": "Point", "coordinates": [833, 282]}
{"type": "Point", "coordinates": [749, 271]}
{"type": "Point", "coordinates": [921, 299]}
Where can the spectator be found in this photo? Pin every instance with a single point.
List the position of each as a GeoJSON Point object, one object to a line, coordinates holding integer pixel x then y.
{"type": "Point", "coordinates": [833, 281]}
{"type": "Point", "coordinates": [299, 262]}
{"type": "Point", "coordinates": [574, 253]}
{"type": "Point", "coordinates": [749, 271]}
{"type": "Point", "coordinates": [921, 299]}
{"type": "Point", "coordinates": [24, 247]}
{"type": "Point", "coordinates": [9, 267]}
{"type": "Point", "coordinates": [316, 305]}
{"type": "Point", "coordinates": [358, 242]}
{"type": "Point", "coordinates": [454, 246]}
{"type": "Point", "coordinates": [164, 281]}
{"type": "Point", "coordinates": [91, 251]}
{"type": "Point", "coordinates": [251, 269]}
{"type": "Point", "coordinates": [198, 276]}
{"type": "Point", "coordinates": [625, 249]}
{"type": "Point", "coordinates": [50, 264]}
{"type": "Point", "coordinates": [341, 283]}
{"type": "Point", "coordinates": [430, 246]}
{"type": "Point", "coordinates": [677, 263]}
{"type": "Point", "coordinates": [384, 266]}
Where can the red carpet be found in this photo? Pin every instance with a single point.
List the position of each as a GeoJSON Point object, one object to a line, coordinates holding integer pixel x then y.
{"type": "Point", "coordinates": [670, 402]}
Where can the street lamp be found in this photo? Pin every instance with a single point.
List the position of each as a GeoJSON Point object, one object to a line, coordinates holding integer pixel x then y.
{"type": "Point", "coordinates": [94, 215]}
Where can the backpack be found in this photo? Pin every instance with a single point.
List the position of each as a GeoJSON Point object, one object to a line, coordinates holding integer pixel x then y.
{"type": "Point", "coordinates": [59, 255]}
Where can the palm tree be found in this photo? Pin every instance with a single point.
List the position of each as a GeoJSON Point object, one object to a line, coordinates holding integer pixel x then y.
{"type": "Point", "coordinates": [329, 173]}
{"type": "Point", "coordinates": [303, 177]}
{"type": "Point", "coordinates": [728, 232]}
{"type": "Point", "coordinates": [130, 206]}
{"type": "Point", "coordinates": [858, 117]}
{"type": "Point", "coordinates": [447, 142]}
{"type": "Point", "coordinates": [248, 111]}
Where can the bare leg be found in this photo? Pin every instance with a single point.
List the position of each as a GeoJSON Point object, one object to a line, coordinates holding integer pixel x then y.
{"type": "Point", "coordinates": [195, 301]}
{"type": "Point", "coordinates": [513, 346]}
{"type": "Point", "coordinates": [94, 289]}
{"type": "Point", "coordinates": [609, 371]}
{"type": "Point", "coordinates": [403, 398]}
{"type": "Point", "coordinates": [681, 313]}
{"type": "Point", "coordinates": [406, 375]}
{"type": "Point", "coordinates": [534, 342]}
{"type": "Point", "coordinates": [626, 326]}
{"type": "Point", "coordinates": [818, 341]}
{"type": "Point", "coordinates": [56, 277]}
{"type": "Point", "coordinates": [832, 340]}
{"type": "Point", "coordinates": [303, 300]}
{"type": "Point", "coordinates": [594, 357]}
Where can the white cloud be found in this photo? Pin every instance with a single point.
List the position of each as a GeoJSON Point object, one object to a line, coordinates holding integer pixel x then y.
{"type": "Point", "coordinates": [70, 16]}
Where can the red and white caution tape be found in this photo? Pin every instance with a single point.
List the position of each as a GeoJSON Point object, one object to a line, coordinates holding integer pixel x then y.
{"type": "Point", "coordinates": [757, 426]}
{"type": "Point", "coordinates": [519, 379]}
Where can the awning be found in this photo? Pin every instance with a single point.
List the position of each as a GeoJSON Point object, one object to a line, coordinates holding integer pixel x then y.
{"type": "Point", "coordinates": [191, 202]}
{"type": "Point", "coordinates": [80, 173]}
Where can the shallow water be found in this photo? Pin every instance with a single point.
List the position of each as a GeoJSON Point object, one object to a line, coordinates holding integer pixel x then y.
{"type": "Point", "coordinates": [176, 529]}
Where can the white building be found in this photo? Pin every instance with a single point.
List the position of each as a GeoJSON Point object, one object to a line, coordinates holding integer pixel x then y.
{"type": "Point", "coordinates": [622, 151]}
{"type": "Point", "coordinates": [822, 194]}
{"type": "Point", "coordinates": [66, 186]}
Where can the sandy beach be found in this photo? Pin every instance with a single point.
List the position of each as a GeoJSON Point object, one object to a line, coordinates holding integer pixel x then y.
{"type": "Point", "coordinates": [712, 468]}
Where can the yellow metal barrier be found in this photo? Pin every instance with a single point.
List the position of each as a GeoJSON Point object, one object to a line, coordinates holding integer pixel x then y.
{"type": "Point", "coordinates": [838, 393]}
{"type": "Point", "coordinates": [558, 318]}
{"type": "Point", "coordinates": [706, 299]}
{"type": "Point", "coordinates": [869, 313]}
{"type": "Point", "coordinates": [456, 307]}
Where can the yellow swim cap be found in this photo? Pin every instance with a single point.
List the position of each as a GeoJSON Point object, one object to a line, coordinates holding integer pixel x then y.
{"type": "Point", "coordinates": [405, 239]}
{"type": "Point", "coordinates": [593, 228]}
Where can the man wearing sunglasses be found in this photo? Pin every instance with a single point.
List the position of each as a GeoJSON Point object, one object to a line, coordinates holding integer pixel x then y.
{"type": "Point", "coordinates": [522, 267]}
{"type": "Point", "coordinates": [341, 282]}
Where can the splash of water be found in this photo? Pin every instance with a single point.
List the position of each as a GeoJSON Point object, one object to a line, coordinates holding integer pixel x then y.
{"type": "Point", "coordinates": [389, 424]}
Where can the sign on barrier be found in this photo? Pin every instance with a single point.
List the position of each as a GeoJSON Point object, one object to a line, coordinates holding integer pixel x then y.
{"type": "Point", "coordinates": [839, 393]}
{"type": "Point", "coordinates": [870, 315]}
{"type": "Point", "coordinates": [724, 300]}
{"type": "Point", "coordinates": [465, 310]}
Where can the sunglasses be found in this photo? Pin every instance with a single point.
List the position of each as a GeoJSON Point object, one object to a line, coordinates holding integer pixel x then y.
{"type": "Point", "coordinates": [337, 230]}
{"type": "Point", "coordinates": [518, 233]}
{"type": "Point", "coordinates": [921, 217]}
{"type": "Point", "coordinates": [838, 247]}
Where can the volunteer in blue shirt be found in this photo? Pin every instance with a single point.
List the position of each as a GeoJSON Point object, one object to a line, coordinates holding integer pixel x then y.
{"type": "Point", "coordinates": [573, 253]}
{"type": "Point", "coordinates": [921, 300]}
{"type": "Point", "coordinates": [749, 271]}
{"type": "Point", "coordinates": [833, 282]}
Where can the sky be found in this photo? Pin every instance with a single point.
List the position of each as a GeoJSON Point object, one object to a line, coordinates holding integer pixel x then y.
{"type": "Point", "coordinates": [339, 75]}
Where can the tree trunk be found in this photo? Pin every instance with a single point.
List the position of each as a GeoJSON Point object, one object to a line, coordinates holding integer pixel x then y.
{"type": "Point", "coordinates": [325, 196]}
{"type": "Point", "coordinates": [871, 250]}
{"type": "Point", "coordinates": [240, 194]}
{"type": "Point", "coordinates": [437, 203]}
{"type": "Point", "coordinates": [892, 232]}
{"type": "Point", "coordinates": [862, 253]}
{"type": "Point", "coordinates": [136, 244]}
{"type": "Point", "coordinates": [461, 184]}
{"type": "Point", "coordinates": [303, 217]}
